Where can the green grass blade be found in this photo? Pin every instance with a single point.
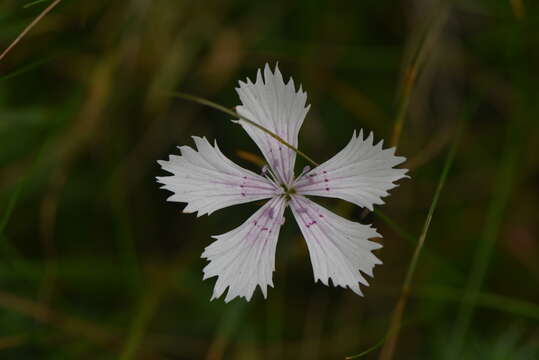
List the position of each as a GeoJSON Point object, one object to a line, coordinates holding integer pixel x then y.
{"type": "Point", "coordinates": [149, 304]}
{"type": "Point", "coordinates": [494, 218]}
{"type": "Point", "coordinates": [486, 300]}
{"type": "Point", "coordinates": [30, 4]}
{"type": "Point", "coordinates": [25, 69]}
{"type": "Point", "coordinates": [227, 328]}
{"type": "Point", "coordinates": [369, 350]}
{"type": "Point", "coordinates": [396, 319]}
{"type": "Point", "coordinates": [9, 209]}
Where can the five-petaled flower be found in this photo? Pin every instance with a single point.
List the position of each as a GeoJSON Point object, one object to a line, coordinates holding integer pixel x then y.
{"type": "Point", "coordinates": [244, 258]}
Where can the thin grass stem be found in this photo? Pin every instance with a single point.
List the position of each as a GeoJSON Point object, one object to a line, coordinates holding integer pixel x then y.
{"type": "Point", "coordinates": [414, 69]}
{"type": "Point", "coordinates": [227, 327]}
{"type": "Point", "coordinates": [28, 28]}
{"type": "Point", "coordinates": [396, 319]}
{"type": "Point", "coordinates": [243, 118]}
{"type": "Point", "coordinates": [25, 69]}
{"type": "Point", "coordinates": [485, 300]}
{"type": "Point", "coordinates": [10, 206]}
{"type": "Point", "coordinates": [147, 308]}
{"type": "Point", "coordinates": [369, 350]}
{"type": "Point", "coordinates": [501, 194]}
{"type": "Point", "coordinates": [30, 4]}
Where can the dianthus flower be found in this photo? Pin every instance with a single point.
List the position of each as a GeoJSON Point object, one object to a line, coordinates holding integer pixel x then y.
{"type": "Point", "coordinates": [244, 258]}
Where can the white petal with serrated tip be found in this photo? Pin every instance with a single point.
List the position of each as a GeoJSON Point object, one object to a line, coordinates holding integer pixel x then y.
{"type": "Point", "coordinates": [279, 108]}
{"type": "Point", "coordinates": [244, 258]}
{"type": "Point", "coordinates": [361, 173]}
{"type": "Point", "coordinates": [339, 249]}
{"type": "Point", "coordinates": [207, 180]}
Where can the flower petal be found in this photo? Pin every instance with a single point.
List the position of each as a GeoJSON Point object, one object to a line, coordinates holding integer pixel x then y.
{"type": "Point", "coordinates": [207, 180]}
{"type": "Point", "coordinates": [244, 258]}
{"type": "Point", "coordinates": [339, 248]}
{"type": "Point", "coordinates": [279, 108]}
{"type": "Point", "coordinates": [361, 173]}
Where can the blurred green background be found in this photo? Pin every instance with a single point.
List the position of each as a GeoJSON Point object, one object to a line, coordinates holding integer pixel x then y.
{"type": "Point", "coordinates": [95, 264]}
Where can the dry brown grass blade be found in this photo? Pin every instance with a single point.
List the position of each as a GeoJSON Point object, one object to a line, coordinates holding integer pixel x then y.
{"type": "Point", "coordinates": [413, 70]}
{"type": "Point", "coordinates": [358, 103]}
{"type": "Point", "coordinates": [8, 342]}
{"type": "Point", "coordinates": [431, 150]}
{"type": "Point", "coordinates": [68, 324]}
{"type": "Point", "coordinates": [518, 8]}
{"type": "Point", "coordinates": [29, 27]}
{"type": "Point", "coordinates": [250, 157]}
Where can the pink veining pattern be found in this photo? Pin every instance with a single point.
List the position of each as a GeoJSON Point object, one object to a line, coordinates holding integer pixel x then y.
{"type": "Point", "coordinates": [252, 243]}
{"type": "Point", "coordinates": [333, 244]}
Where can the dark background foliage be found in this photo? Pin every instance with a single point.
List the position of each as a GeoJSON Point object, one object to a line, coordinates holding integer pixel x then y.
{"type": "Point", "coordinates": [95, 264]}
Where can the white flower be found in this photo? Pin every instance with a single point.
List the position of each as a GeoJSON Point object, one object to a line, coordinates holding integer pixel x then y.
{"type": "Point", "coordinates": [244, 258]}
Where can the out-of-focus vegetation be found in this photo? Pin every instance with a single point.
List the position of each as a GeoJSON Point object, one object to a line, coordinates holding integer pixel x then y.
{"type": "Point", "coordinates": [94, 264]}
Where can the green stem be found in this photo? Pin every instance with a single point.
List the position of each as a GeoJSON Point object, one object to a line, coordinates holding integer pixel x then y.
{"type": "Point", "coordinates": [396, 318]}
{"type": "Point", "coordinates": [426, 225]}
{"type": "Point", "coordinates": [369, 350]}
{"type": "Point", "coordinates": [34, 3]}
{"type": "Point", "coordinates": [243, 118]}
{"type": "Point", "coordinates": [486, 244]}
{"type": "Point", "coordinates": [9, 209]}
{"type": "Point", "coordinates": [25, 68]}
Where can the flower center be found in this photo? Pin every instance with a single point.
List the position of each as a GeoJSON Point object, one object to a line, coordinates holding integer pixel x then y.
{"type": "Point", "coordinates": [288, 190]}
